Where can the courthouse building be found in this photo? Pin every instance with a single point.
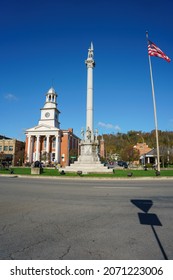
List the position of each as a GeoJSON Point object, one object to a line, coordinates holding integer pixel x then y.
{"type": "Point", "coordinates": [46, 142]}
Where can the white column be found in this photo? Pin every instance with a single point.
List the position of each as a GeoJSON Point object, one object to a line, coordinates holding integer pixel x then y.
{"type": "Point", "coordinates": [37, 148]}
{"type": "Point", "coordinates": [57, 148]}
{"type": "Point", "coordinates": [89, 120]}
{"type": "Point", "coordinates": [29, 149]}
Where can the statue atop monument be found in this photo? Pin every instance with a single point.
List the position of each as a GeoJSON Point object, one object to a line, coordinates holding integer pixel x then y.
{"type": "Point", "coordinates": [91, 52]}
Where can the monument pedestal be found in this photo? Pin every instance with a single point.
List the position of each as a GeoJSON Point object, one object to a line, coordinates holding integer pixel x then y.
{"type": "Point", "coordinates": [88, 161]}
{"type": "Point", "coordinates": [89, 152]}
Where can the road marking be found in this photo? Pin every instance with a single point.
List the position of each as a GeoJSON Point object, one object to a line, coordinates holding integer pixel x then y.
{"type": "Point", "coordinates": [118, 187]}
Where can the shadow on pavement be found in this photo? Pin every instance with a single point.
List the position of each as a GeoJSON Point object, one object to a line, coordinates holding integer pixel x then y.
{"type": "Point", "coordinates": [149, 219]}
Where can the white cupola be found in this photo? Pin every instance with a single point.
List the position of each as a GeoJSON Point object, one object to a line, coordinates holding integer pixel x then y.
{"type": "Point", "coordinates": [51, 97]}
{"type": "Point", "coordinates": [50, 113]}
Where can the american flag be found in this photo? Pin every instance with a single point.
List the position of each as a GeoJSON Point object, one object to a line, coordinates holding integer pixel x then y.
{"type": "Point", "coordinates": [153, 50]}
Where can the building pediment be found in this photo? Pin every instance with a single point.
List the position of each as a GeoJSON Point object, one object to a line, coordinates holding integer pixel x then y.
{"type": "Point", "coordinates": [42, 127]}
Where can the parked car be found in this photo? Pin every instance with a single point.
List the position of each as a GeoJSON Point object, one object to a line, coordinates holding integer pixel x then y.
{"type": "Point", "coordinates": [110, 165]}
{"type": "Point", "coordinates": [123, 164]}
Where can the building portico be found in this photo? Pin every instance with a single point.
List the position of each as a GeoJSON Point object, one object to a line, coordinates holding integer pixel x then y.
{"type": "Point", "coordinates": [43, 146]}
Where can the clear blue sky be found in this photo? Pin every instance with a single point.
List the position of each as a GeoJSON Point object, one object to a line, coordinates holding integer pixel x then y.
{"type": "Point", "coordinates": [44, 43]}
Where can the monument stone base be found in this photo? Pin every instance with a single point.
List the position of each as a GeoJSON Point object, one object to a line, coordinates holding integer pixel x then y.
{"type": "Point", "coordinates": [88, 161]}
{"type": "Point", "coordinates": [87, 168]}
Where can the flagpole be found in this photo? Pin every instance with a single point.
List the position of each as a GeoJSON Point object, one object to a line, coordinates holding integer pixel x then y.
{"type": "Point", "coordinates": [155, 113]}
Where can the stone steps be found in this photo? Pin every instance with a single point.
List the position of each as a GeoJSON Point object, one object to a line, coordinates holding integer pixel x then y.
{"type": "Point", "coordinates": [87, 168]}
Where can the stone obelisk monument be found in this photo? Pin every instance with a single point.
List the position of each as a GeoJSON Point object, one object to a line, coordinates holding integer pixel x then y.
{"type": "Point", "coordinates": [90, 63]}
{"type": "Point", "coordinates": [88, 160]}
{"type": "Point", "coordinates": [89, 143]}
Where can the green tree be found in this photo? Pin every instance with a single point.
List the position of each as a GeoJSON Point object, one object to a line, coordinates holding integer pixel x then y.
{"type": "Point", "coordinates": [130, 154]}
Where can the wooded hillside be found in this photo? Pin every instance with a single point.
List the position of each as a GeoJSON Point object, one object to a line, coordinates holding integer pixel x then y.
{"type": "Point", "coordinates": [122, 143]}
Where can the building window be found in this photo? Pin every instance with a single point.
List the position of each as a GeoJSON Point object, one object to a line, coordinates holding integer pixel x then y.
{"type": "Point", "coordinates": [10, 148]}
{"type": "Point", "coordinates": [5, 148]}
{"type": "Point", "coordinates": [0, 148]}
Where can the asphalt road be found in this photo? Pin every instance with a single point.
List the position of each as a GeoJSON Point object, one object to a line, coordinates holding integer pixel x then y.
{"type": "Point", "coordinates": [86, 219]}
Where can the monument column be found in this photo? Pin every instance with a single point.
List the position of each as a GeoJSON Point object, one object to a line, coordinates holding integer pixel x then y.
{"type": "Point", "coordinates": [89, 144]}
{"type": "Point", "coordinates": [90, 63]}
{"type": "Point", "coordinates": [88, 160]}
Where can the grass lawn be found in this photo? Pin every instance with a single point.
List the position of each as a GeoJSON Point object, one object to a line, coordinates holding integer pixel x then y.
{"type": "Point", "coordinates": [118, 173]}
{"type": "Point", "coordinates": [16, 170]}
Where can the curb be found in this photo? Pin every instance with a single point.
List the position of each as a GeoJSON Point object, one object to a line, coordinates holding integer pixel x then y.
{"type": "Point", "coordinates": [158, 178]}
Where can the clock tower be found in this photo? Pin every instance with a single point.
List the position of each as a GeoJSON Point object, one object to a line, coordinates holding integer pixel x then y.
{"type": "Point", "coordinates": [50, 113]}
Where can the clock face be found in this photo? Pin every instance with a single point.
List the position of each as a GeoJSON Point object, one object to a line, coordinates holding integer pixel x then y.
{"type": "Point", "coordinates": [47, 115]}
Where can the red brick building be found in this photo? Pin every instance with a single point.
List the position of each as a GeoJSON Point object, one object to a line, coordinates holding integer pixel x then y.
{"type": "Point", "coordinates": [69, 147]}
{"type": "Point", "coordinates": [102, 148]}
{"type": "Point", "coordinates": [143, 149]}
